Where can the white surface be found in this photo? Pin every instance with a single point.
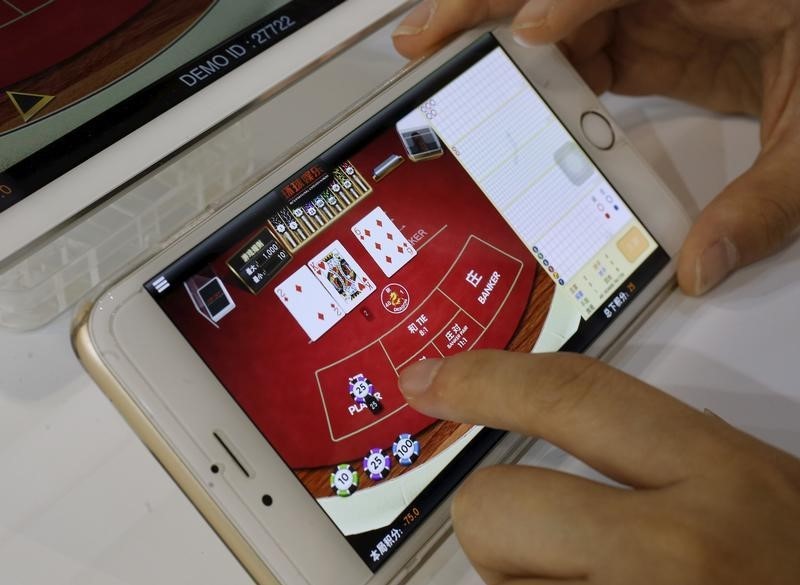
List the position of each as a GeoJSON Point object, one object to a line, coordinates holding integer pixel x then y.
{"type": "Point", "coordinates": [82, 502]}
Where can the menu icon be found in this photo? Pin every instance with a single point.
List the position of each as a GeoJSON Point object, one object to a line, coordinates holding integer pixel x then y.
{"type": "Point", "coordinates": [160, 284]}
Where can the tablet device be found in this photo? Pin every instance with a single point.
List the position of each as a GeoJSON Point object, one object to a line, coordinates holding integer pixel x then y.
{"type": "Point", "coordinates": [272, 398]}
{"type": "Point", "coordinates": [93, 93]}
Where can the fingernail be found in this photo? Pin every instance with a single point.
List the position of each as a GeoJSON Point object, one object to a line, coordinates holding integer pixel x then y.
{"type": "Point", "coordinates": [535, 14]}
{"type": "Point", "coordinates": [418, 20]}
{"type": "Point", "coordinates": [714, 264]}
{"type": "Point", "coordinates": [417, 378]}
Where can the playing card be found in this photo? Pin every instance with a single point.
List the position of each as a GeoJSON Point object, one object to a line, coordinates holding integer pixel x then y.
{"type": "Point", "coordinates": [383, 241]}
{"type": "Point", "coordinates": [341, 276]}
{"type": "Point", "coordinates": [309, 303]}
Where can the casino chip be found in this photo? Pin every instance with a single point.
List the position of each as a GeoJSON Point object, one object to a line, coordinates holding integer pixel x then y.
{"type": "Point", "coordinates": [373, 404]}
{"type": "Point", "coordinates": [405, 449]}
{"type": "Point", "coordinates": [360, 387]}
{"type": "Point", "coordinates": [377, 465]}
{"type": "Point", "coordinates": [344, 481]}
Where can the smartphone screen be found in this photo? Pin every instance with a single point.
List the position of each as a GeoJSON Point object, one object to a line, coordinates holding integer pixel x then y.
{"type": "Point", "coordinates": [463, 216]}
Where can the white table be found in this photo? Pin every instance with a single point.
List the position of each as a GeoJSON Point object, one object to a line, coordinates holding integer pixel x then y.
{"type": "Point", "coordinates": [83, 502]}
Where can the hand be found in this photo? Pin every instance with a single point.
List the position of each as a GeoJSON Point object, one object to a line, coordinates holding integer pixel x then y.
{"type": "Point", "coordinates": [733, 56]}
{"type": "Point", "coordinates": [710, 505]}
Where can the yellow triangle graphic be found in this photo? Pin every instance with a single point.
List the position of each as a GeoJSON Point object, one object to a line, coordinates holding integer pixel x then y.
{"type": "Point", "coordinates": [28, 104]}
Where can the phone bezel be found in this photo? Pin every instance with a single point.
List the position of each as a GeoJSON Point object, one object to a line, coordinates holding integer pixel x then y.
{"type": "Point", "coordinates": [161, 373]}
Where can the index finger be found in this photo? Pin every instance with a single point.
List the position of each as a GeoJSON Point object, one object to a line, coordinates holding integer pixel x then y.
{"type": "Point", "coordinates": [537, 21]}
{"type": "Point", "coordinates": [432, 21]}
{"type": "Point", "coordinates": [549, 21]}
{"type": "Point", "coordinates": [619, 425]}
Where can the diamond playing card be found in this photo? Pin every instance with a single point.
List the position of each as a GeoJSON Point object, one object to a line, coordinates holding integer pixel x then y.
{"type": "Point", "coordinates": [309, 303]}
{"type": "Point", "coordinates": [341, 276]}
{"type": "Point", "coordinates": [383, 241]}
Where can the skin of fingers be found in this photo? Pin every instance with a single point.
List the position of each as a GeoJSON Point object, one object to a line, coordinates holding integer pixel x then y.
{"type": "Point", "coordinates": [589, 39]}
{"type": "Point", "coordinates": [622, 542]}
{"type": "Point", "coordinates": [755, 216]}
{"type": "Point", "coordinates": [759, 213]}
{"type": "Point", "coordinates": [673, 48]}
{"type": "Point", "coordinates": [541, 21]}
{"type": "Point", "coordinates": [656, 51]}
{"type": "Point", "coordinates": [544, 582]}
{"type": "Point", "coordinates": [597, 71]}
{"type": "Point", "coordinates": [572, 525]}
{"type": "Point", "coordinates": [732, 520]}
{"type": "Point", "coordinates": [732, 56]}
{"type": "Point", "coordinates": [442, 19]}
{"type": "Point", "coordinates": [580, 404]}
{"type": "Point", "coordinates": [732, 525]}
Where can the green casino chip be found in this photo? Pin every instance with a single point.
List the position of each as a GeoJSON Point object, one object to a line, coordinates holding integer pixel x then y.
{"type": "Point", "coordinates": [344, 480]}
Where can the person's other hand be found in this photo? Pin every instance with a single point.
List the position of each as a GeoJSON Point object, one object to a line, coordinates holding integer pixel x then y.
{"type": "Point", "coordinates": [710, 505]}
{"type": "Point", "coordinates": [733, 56]}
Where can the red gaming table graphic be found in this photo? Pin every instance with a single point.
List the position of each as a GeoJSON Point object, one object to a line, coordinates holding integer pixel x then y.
{"type": "Point", "coordinates": [37, 34]}
{"type": "Point", "coordinates": [296, 391]}
{"type": "Point", "coordinates": [454, 317]}
{"type": "Point", "coordinates": [56, 53]}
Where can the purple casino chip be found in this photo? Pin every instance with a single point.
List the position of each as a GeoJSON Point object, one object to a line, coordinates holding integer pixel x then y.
{"type": "Point", "coordinates": [377, 464]}
{"type": "Point", "coordinates": [360, 387]}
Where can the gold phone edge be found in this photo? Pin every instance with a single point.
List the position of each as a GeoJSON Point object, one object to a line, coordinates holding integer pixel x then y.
{"type": "Point", "coordinates": [245, 554]}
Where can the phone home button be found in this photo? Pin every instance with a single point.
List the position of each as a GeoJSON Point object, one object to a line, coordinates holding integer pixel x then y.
{"type": "Point", "coordinates": [597, 130]}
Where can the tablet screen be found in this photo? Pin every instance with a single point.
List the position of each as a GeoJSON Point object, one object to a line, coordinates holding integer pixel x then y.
{"type": "Point", "coordinates": [78, 75]}
{"type": "Point", "coordinates": [463, 216]}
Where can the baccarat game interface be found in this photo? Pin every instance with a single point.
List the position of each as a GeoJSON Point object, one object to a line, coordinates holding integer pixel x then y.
{"type": "Point", "coordinates": [464, 216]}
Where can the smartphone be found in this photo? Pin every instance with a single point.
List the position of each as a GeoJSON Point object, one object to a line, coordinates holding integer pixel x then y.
{"type": "Point", "coordinates": [258, 355]}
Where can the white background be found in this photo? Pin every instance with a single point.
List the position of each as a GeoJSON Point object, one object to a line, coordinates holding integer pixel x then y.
{"type": "Point", "coordinates": [83, 502]}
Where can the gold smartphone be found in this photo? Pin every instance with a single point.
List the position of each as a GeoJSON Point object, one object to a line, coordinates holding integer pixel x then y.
{"type": "Point", "coordinates": [258, 355]}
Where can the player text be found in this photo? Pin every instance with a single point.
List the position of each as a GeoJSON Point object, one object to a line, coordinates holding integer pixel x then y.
{"type": "Point", "coordinates": [354, 409]}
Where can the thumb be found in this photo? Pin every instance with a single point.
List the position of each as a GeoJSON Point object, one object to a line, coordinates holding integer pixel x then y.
{"type": "Point", "coordinates": [433, 21]}
{"type": "Point", "coordinates": [622, 427]}
{"type": "Point", "coordinates": [752, 218]}
{"type": "Point", "coordinates": [536, 21]}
